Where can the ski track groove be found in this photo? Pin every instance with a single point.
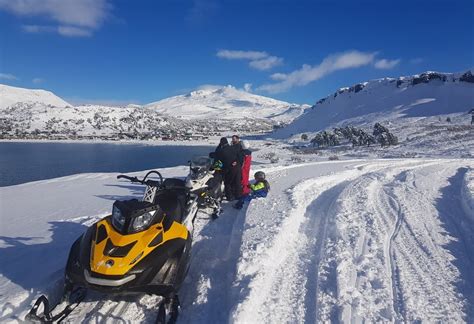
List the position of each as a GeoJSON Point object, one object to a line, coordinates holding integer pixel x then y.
{"type": "Point", "coordinates": [279, 266]}
{"type": "Point", "coordinates": [312, 284]}
{"type": "Point", "coordinates": [416, 254]}
{"type": "Point", "coordinates": [394, 275]}
{"type": "Point", "coordinates": [329, 186]}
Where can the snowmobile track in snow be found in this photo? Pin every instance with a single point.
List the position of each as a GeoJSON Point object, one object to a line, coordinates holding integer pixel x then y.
{"type": "Point", "coordinates": [338, 253]}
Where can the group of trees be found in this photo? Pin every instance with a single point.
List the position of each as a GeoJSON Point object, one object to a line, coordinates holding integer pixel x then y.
{"type": "Point", "coordinates": [383, 136]}
{"type": "Point", "coordinates": [325, 139]}
{"type": "Point", "coordinates": [356, 136]}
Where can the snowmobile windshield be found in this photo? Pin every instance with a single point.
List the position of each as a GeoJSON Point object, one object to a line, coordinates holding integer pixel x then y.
{"type": "Point", "coordinates": [201, 161]}
{"type": "Point", "coordinates": [131, 216]}
{"type": "Point", "coordinates": [199, 166]}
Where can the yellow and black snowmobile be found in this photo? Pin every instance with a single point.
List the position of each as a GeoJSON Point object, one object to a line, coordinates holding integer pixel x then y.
{"type": "Point", "coordinates": [143, 247]}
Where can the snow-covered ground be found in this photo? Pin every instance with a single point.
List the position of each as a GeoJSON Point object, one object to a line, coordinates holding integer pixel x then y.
{"type": "Point", "coordinates": [367, 239]}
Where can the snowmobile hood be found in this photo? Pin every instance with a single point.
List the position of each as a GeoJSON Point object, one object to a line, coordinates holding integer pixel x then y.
{"type": "Point", "coordinates": [113, 253]}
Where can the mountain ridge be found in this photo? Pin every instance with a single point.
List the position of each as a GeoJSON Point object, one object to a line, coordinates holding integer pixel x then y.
{"type": "Point", "coordinates": [229, 102]}
{"type": "Point", "coordinates": [421, 95]}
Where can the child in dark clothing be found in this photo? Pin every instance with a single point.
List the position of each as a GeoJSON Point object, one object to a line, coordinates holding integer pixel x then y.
{"type": "Point", "coordinates": [259, 189]}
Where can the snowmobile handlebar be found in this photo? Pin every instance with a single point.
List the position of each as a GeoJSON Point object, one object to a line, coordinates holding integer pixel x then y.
{"type": "Point", "coordinates": [144, 180]}
{"type": "Point", "coordinates": [132, 179]}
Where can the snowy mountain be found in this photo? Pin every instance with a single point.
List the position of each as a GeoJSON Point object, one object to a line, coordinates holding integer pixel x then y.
{"type": "Point", "coordinates": [11, 95]}
{"type": "Point", "coordinates": [404, 99]}
{"type": "Point", "coordinates": [28, 113]}
{"type": "Point", "coordinates": [227, 103]}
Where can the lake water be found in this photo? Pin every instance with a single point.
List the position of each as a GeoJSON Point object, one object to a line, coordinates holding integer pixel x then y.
{"type": "Point", "coordinates": [25, 162]}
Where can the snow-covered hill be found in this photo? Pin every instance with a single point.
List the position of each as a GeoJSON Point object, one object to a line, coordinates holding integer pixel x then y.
{"type": "Point", "coordinates": [227, 103]}
{"type": "Point", "coordinates": [405, 99]}
{"type": "Point", "coordinates": [11, 95]}
{"type": "Point", "coordinates": [37, 120]}
{"type": "Point", "coordinates": [36, 114]}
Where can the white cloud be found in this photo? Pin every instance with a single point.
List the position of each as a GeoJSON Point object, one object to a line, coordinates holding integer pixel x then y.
{"type": "Point", "coordinates": [258, 60]}
{"type": "Point", "coordinates": [37, 29]}
{"type": "Point", "coordinates": [241, 55]}
{"type": "Point", "coordinates": [266, 63]}
{"type": "Point", "coordinates": [248, 87]}
{"type": "Point", "coordinates": [209, 87]}
{"type": "Point", "coordinates": [385, 64]}
{"type": "Point", "coordinates": [278, 76]}
{"type": "Point", "coordinates": [71, 31]}
{"type": "Point", "coordinates": [74, 17]}
{"type": "Point", "coordinates": [68, 31]}
{"type": "Point", "coordinates": [38, 80]}
{"type": "Point", "coordinates": [308, 73]}
{"type": "Point", "coordinates": [8, 76]}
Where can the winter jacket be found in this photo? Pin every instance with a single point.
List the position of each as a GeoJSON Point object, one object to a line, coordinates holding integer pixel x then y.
{"type": "Point", "coordinates": [239, 151]}
{"type": "Point", "coordinates": [227, 155]}
{"type": "Point", "coordinates": [247, 160]}
{"type": "Point", "coordinates": [260, 188]}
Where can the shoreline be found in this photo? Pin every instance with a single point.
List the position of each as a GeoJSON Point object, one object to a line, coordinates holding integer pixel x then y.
{"type": "Point", "coordinates": [121, 142]}
{"type": "Point", "coordinates": [212, 141]}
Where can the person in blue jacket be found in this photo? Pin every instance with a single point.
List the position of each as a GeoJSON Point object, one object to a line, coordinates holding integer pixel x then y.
{"type": "Point", "coordinates": [259, 189]}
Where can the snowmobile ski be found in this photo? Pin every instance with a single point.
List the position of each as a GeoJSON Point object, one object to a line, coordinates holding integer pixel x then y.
{"type": "Point", "coordinates": [47, 316]}
{"type": "Point", "coordinates": [168, 311]}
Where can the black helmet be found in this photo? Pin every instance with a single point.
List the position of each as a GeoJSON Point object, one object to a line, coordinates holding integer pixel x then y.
{"type": "Point", "coordinates": [259, 175]}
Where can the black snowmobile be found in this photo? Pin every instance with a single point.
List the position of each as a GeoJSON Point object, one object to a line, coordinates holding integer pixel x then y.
{"type": "Point", "coordinates": [205, 181]}
{"type": "Point", "coordinates": [143, 247]}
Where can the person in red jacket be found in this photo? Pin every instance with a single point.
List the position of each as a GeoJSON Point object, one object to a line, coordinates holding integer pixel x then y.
{"type": "Point", "coordinates": [247, 160]}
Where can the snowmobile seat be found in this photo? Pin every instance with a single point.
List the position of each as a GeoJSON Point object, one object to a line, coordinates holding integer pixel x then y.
{"type": "Point", "coordinates": [173, 183]}
{"type": "Point", "coordinates": [171, 204]}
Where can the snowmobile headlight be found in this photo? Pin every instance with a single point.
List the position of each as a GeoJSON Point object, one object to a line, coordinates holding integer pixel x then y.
{"type": "Point", "coordinates": [141, 222]}
{"type": "Point", "coordinates": [118, 219]}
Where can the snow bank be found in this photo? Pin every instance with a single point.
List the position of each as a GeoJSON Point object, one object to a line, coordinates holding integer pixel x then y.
{"type": "Point", "coordinates": [467, 193]}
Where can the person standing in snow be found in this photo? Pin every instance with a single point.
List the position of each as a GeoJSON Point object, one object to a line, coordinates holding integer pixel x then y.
{"type": "Point", "coordinates": [259, 189]}
{"type": "Point", "coordinates": [236, 183]}
{"type": "Point", "coordinates": [247, 160]}
{"type": "Point", "coordinates": [237, 145]}
{"type": "Point", "coordinates": [230, 167]}
{"type": "Point", "coordinates": [472, 116]}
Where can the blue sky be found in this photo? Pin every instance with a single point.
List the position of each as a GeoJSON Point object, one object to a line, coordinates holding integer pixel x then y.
{"type": "Point", "coordinates": [141, 51]}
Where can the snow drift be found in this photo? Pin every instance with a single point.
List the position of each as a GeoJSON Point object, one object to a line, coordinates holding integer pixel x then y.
{"type": "Point", "coordinates": [467, 193]}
